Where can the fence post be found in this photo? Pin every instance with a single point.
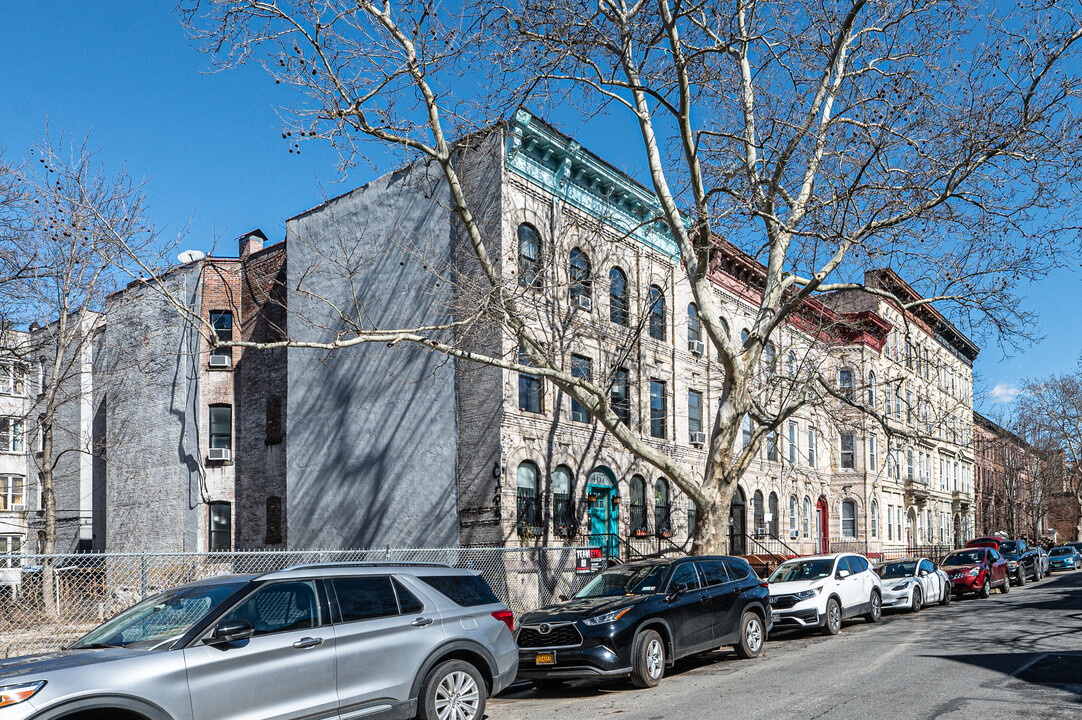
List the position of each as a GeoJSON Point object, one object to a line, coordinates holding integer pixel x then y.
{"type": "Point", "coordinates": [143, 575]}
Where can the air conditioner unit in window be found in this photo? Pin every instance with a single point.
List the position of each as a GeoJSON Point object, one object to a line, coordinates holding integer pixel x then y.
{"type": "Point", "coordinates": [582, 302]}
{"type": "Point", "coordinates": [698, 439]}
{"type": "Point", "coordinates": [697, 347]}
{"type": "Point", "coordinates": [221, 361]}
{"type": "Point", "coordinates": [220, 455]}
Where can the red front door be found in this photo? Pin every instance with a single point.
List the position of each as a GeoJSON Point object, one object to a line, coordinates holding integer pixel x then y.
{"type": "Point", "coordinates": [822, 518]}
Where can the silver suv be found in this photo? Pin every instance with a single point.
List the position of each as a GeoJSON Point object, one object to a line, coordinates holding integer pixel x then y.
{"type": "Point", "coordinates": [317, 641]}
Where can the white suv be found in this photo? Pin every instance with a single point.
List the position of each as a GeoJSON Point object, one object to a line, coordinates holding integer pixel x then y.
{"type": "Point", "coordinates": [823, 590]}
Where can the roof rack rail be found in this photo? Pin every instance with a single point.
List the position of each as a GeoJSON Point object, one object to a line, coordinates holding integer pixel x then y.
{"type": "Point", "coordinates": [363, 563]}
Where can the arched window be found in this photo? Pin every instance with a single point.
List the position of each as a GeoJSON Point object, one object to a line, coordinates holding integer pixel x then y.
{"type": "Point", "coordinates": [792, 363]}
{"type": "Point", "coordinates": [807, 517]}
{"type": "Point", "coordinates": [774, 514]}
{"type": "Point", "coordinates": [529, 504]}
{"type": "Point", "coordinates": [849, 519]}
{"type": "Point", "coordinates": [744, 337]}
{"type": "Point", "coordinates": [529, 256]}
{"type": "Point", "coordinates": [770, 356]}
{"type": "Point", "coordinates": [618, 303]}
{"type": "Point", "coordinates": [845, 382]}
{"type": "Point", "coordinates": [657, 313]}
{"type": "Point", "coordinates": [581, 285]}
{"type": "Point", "coordinates": [661, 507]}
{"type": "Point", "coordinates": [695, 326]}
{"type": "Point", "coordinates": [691, 518]}
{"type": "Point", "coordinates": [794, 528]}
{"type": "Point", "coordinates": [563, 516]}
{"type": "Point", "coordinates": [758, 513]}
{"type": "Point", "coordinates": [875, 518]}
{"type": "Point", "coordinates": [638, 506]}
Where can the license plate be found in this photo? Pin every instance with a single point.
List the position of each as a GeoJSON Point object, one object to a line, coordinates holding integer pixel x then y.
{"type": "Point", "coordinates": [546, 658]}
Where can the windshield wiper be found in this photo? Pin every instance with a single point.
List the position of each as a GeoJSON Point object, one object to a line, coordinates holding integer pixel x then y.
{"type": "Point", "coordinates": [99, 646]}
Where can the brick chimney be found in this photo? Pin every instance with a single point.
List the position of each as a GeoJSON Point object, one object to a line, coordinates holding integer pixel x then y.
{"type": "Point", "coordinates": [251, 242]}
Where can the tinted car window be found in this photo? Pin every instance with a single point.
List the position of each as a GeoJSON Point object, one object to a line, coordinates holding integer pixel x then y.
{"type": "Point", "coordinates": [686, 574]}
{"type": "Point", "coordinates": [626, 580]}
{"type": "Point", "coordinates": [965, 557]}
{"type": "Point", "coordinates": [796, 570]}
{"type": "Point", "coordinates": [464, 590]}
{"type": "Point", "coordinates": [408, 603]}
{"type": "Point", "coordinates": [993, 556]}
{"type": "Point", "coordinates": [714, 572]}
{"type": "Point", "coordinates": [280, 607]}
{"type": "Point", "coordinates": [738, 569]}
{"type": "Point", "coordinates": [844, 564]}
{"type": "Point", "coordinates": [364, 598]}
{"type": "Point", "coordinates": [926, 566]}
{"type": "Point", "coordinates": [857, 563]}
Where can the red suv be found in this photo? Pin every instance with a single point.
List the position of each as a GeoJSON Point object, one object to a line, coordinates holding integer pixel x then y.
{"type": "Point", "coordinates": [976, 570]}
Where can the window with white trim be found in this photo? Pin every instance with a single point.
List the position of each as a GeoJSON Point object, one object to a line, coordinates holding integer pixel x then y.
{"type": "Point", "coordinates": [11, 435]}
{"type": "Point", "coordinates": [12, 378]}
{"type": "Point", "coordinates": [12, 492]}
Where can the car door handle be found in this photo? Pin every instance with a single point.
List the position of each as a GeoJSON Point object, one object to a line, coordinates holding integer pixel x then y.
{"type": "Point", "coordinates": [308, 642]}
{"type": "Point", "coordinates": [421, 622]}
{"type": "Point", "coordinates": [704, 598]}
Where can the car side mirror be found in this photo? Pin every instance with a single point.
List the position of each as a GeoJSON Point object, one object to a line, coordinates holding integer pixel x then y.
{"type": "Point", "coordinates": [230, 630]}
{"type": "Point", "coordinates": [842, 574]}
{"type": "Point", "coordinates": [675, 591]}
{"type": "Point", "coordinates": [561, 597]}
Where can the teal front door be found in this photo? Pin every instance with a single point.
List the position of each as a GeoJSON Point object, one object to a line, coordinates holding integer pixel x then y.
{"type": "Point", "coordinates": [604, 519]}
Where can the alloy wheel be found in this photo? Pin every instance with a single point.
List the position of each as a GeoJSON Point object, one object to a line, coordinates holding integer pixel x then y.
{"type": "Point", "coordinates": [655, 658]}
{"type": "Point", "coordinates": [457, 697]}
{"type": "Point", "coordinates": [754, 635]}
{"type": "Point", "coordinates": [835, 617]}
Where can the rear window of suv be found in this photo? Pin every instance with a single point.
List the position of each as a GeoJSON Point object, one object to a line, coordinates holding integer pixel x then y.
{"type": "Point", "coordinates": [464, 590]}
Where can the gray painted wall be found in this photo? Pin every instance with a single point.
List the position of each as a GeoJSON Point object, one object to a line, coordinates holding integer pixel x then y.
{"type": "Point", "coordinates": [371, 434]}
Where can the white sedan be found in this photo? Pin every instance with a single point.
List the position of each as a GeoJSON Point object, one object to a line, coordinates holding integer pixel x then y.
{"type": "Point", "coordinates": [913, 583]}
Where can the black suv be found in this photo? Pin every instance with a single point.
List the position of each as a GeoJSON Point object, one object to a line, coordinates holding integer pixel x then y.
{"type": "Point", "coordinates": [636, 619]}
{"type": "Point", "coordinates": [1022, 560]}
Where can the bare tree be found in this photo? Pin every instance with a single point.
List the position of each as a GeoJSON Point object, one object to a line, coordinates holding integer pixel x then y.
{"type": "Point", "coordinates": [827, 140]}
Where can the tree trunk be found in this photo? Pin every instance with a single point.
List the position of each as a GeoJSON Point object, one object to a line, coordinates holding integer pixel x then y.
{"type": "Point", "coordinates": [48, 595]}
{"type": "Point", "coordinates": [712, 531]}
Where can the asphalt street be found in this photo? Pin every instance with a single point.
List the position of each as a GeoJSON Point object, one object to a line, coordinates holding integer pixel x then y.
{"type": "Point", "coordinates": [1011, 656]}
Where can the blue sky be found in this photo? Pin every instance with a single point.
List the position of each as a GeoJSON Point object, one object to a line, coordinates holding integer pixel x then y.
{"type": "Point", "coordinates": [210, 146]}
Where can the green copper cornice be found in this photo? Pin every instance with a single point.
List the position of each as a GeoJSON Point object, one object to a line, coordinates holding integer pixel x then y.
{"type": "Point", "coordinates": [560, 165]}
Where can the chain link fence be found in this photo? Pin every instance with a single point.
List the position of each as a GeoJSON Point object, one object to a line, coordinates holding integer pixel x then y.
{"type": "Point", "coordinates": [48, 601]}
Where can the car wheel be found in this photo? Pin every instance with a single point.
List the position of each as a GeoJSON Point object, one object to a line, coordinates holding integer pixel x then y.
{"type": "Point", "coordinates": [947, 592]}
{"type": "Point", "coordinates": [1006, 586]}
{"type": "Point", "coordinates": [453, 690]}
{"type": "Point", "coordinates": [833, 623]}
{"type": "Point", "coordinates": [648, 659]}
{"type": "Point", "coordinates": [916, 603]}
{"type": "Point", "coordinates": [1038, 574]}
{"type": "Point", "coordinates": [876, 612]}
{"type": "Point", "coordinates": [752, 637]}
{"type": "Point", "coordinates": [1021, 576]}
{"type": "Point", "coordinates": [986, 589]}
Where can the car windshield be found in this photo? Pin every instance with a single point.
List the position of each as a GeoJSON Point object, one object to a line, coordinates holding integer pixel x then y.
{"type": "Point", "coordinates": [968, 557]}
{"type": "Point", "coordinates": [1062, 551]}
{"type": "Point", "coordinates": [159, 619]}
{"type": "Point", "coordinates": [890, 571]}
{"type": "Point", "coordinates": [797, 570]}
{"type": "Point", "coordinates": [1011, 546]}
{"type": "Point", "coordinates": [627, 580]}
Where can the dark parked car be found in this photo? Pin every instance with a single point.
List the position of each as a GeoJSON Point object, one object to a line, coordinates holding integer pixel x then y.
{"type": "Point", "coordinates": [976, 570]}
{"type": "Point", "coordinates": [634, 620]}
{"type": "Point", "coordinates": [1022, 561]}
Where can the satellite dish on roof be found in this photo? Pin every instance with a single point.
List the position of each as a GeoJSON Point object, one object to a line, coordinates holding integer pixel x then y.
{"type": "Point", "coordinates": [190, 256]}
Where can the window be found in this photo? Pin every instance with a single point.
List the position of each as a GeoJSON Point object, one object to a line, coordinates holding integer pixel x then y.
{"type": "Point", "coordinates": [12, 492]}
{"type": "Point", "coordinates": [618, 396]}
{"type": "Point", "coordinates": [845, 383]}
{"type": "Point", "coordinates": [774, 514]}
{"type": "Point", "coordinates": [12, 378]}
{"type": "Point", "coordinates": [11, 435]}
{"type": "Point", "coordinates": [890, 522]}
{"type": "Point", "coordinates": [529, 506]}
{"type": "Point", "coordinates": [908, 354]}
{"type": "Point", "coordinates": [581, 285]}
{"type": "Point", "coordinates": [691, 518]}
{"type": "Point", "coordinates": [956, 477]}
{"type": "Point", "coordinates": [280, 607]}
{"type": "Point", "coordinates": [220, 524]}
{"type": "Point", "coordinates": [657, 408]}
{"type": "Point", "coordinates": [221, 426]}
{"type": "Point", "coordinates": [661, 507]}
{"type": "Point", "coordinates": [274, 420]}
{"type": "Point", "coordinates": [792, 363]}
{"type": "Point", "coordinates": [10, 545]}
{"type": "Point", "coordinates": [794, 528]}
{"type": "Point", "coordinates": [870, 390]}
{"type": "Point", "coordinates": [695, 325]}
{"type": "Point", "coordinates": [873, 458]}
{"type": "Point", "coordinates": [758, 513]}
{"type": "Point", "coordinates": [770, 357]}
{"type": "Point", "coordinates": [563, 516]}
{"type": "Point", "coordinates": [695, 412]}
{"type": "Point", "coordinates": [792, 442]}
{"type": "Point", "coordinates": [580, 368]}
{"type": "Point", "coordinates": [530, 392]}
{"type": "Point", "coordinates": [274, 520]}
{"type": "Point", "coordinates": [222, 320]}
{"type": "Point", "coordinates": [875, 518]}
{"type": "Point", "coordinates": [746, 432]}
{"type": "Point", "coordinates": [713, 572]}
{"type": "Point", "coordinates": [772, 446]}
{"type": "Point", "coordinates": [686, 575]}
{"type": "Point", "coordinates": [657, 313]}
{"type": "Point", "coordinates": [744, 335]}
{"type": "Point", "coordinates": [638, 506]}
{"type": "Point", "coordinates": [849, 519]}
{"type": "Point", "coordinates": [848, 454]}
{"type": "Point", "coordinates": [807, 517]}
{"type": "Point", "coordinates": [898, 402]}
{"type": "Point", "coordinates": [811, 447]}
{"type": "Point", "coordinates": [738, 568]}
{"type": "Point", "coordinates": [618, 302]}
{"type": "Point", "coordinates": [909, 464]}
{"type": "Point", "coordinates": [886, 397]}
{"type": "Point", "coordinates": [365, 598]}
{"type": "Point", "coordinates": [529, 256]}
{"type": "Point", "coordinates": [908, 407]}
{"type": "Point", "coordinates": [464, 590]}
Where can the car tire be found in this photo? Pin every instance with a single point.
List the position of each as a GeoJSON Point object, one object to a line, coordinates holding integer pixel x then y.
{"type": "Point", "coordinates": [876, 613]}
{"type": "Point", "coordinates": [986, 588]}
{"type": "Point", "coordinates": [916, 601]}
{"type": "Point", "coordinates": [832, 620]}
{"type": "Point", "coordinates": [946, 599]}
{"type": "Point", "coordinates": [1006, 586]}
{"type": "Point", "coordinates": [1021, 576]}
{"type": "Point", "coordinates": [647, 659]}
{"type": "Point", "coordinates": [453, 689]}
{"type": "Point", "coordinates": [1038, 574]}
{"type": "Point", "coordinates": [752, 637]}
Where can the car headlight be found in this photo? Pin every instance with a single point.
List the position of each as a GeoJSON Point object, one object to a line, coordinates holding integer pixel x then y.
{"type": "Point", "coordinates": [15, 694]}
{"type": "Point", "coordinates": [901, 586]}
{"type": "Point", "coordinates": [807, 594]}
{"type": "Point", "coordinates": [607, 617]}
{"type": "Point", "coordinates": [974, 572]}
{"type": "Point", "coordinates": [1012, 564]}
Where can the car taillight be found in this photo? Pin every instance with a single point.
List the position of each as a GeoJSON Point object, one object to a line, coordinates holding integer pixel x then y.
{"type": "Point", "coordinates": [506, 617]}
{"type": "Point", "coordinates": [764, 583]}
